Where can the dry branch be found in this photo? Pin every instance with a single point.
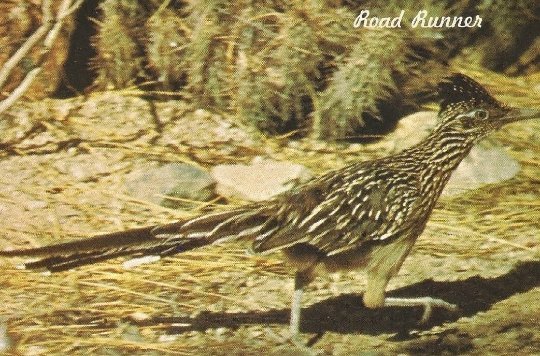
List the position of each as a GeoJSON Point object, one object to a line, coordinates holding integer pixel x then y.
{"type": "Point", "coordinates": [49, 28]}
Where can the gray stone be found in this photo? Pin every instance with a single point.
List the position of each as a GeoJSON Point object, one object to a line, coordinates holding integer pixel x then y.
{"type": "Point", "coordinates": [175, 180]}
{"type": "Point", "coordinates": [260, 180]}
{"type": "Point", "coordinates": [482, 166]}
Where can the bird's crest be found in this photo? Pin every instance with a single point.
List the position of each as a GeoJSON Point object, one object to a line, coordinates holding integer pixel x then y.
{"type": "Point", "coordinates": [460, 93]}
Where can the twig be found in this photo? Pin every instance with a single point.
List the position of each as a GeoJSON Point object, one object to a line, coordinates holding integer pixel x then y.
{"type": "Point", "coordinates": [20, 90]}
{"type": "Point", "coordinates": [10, 64]}
{"type": "Point", "coordinates": [50, 28]}
{"type": "Point", "coordinates": [513, 244]}
{"type": "Point", "coordinates": [66, 9]}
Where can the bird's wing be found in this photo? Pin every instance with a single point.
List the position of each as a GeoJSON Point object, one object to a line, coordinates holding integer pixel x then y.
{"type": "Point", "coordinates": [335, 216]}
{"type": "Point", "coordinates": [244, 222]}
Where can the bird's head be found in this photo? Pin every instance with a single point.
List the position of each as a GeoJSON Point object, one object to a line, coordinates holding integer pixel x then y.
{"type": "Point", "coordinates": [468, 107]}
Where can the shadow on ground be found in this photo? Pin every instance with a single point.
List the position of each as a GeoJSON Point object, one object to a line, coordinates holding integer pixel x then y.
{"type": "Point", "coordinates": [346, 313]}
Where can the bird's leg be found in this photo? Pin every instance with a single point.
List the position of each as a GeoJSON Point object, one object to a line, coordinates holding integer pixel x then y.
{"type": "Point", "coordinates": [427, 302]}
{"type": "Point", "coordinates": [301, 279]}
{"type": "Point", "coordinates": [374, 297]}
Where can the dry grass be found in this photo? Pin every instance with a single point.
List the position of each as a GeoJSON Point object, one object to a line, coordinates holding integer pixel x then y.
{"type": "Point", "coordinates": [91, 310]}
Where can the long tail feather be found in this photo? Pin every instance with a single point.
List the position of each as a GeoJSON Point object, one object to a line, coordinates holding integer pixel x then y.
{"type": "Point", "coordinates": [111, 240]}
{"type": "Point", "coordinates": [161, 240]}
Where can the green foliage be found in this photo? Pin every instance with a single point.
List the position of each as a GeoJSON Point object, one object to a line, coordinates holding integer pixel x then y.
{"type": "Point", "coordinates": [282, 65]}
{"type": "Point", "coordinates": [202, 57]}
{"type": "Point", "coordinates": [166, 47]}
{"type": "Point", "coordinates": [268, 63]}
{"type": "Point", "coordinates": [512, 27]}
{"type": "Point", "coordinates": [119, 60]}
{"type": "Point", "coordinates": [510, 17]}
{"type": "Point", "coordinates": [364, 77]}
{"type": "Point", "coordinates": [277, 79]}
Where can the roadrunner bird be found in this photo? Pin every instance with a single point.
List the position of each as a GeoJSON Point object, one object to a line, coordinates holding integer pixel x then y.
{"type": "Point", "coordinates": [367, 215]}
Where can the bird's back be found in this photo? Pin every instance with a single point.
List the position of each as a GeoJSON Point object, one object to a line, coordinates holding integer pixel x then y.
{"type": "Point", "coordinates": [362, 204]}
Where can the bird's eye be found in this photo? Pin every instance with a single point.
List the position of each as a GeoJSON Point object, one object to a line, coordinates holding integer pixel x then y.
{"type": "Point", "coordinates": [481, 114]}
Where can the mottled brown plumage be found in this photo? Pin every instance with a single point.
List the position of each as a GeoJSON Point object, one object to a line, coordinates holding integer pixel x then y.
{"type": "Point", "coordinates": [367, 215]}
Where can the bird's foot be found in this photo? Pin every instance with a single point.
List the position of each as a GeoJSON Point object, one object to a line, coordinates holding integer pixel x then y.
{"type": "Point", "coordinates": [427, 302]}
{"type": "Point", "coordinates": [295, 343]}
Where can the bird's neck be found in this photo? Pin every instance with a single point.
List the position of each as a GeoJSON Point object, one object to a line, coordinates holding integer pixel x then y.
{"type": "Point", "coordinates": [445, 147]}
{"type": "Point", "coordinates": [439, 154]}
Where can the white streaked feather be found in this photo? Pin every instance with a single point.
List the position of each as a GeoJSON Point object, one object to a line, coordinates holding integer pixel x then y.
{"type": "Point", "coordinates": [225, 222]}
{"type": "Point", "coordinates": [315, 211]}
{"type": "Point", "coordinates": [317, 224]}
{"type": "Point", "coordinates": [385, 235]}
{"type": "Point", "coordinates": [266, 234]}
{"type": "Point", "coordinates": [134, 262]}
{"type": "Point", "coordinates": [249, 231]}
{"type": "Point", "coordinates": [202, 217]}
{"type": "Point", "coordinates": [355, 209]}
{"type": "Point", "coordinates": [193, 235]}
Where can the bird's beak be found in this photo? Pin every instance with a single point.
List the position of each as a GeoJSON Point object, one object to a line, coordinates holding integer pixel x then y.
{"type": "Point", "coordinates": [519, 114]}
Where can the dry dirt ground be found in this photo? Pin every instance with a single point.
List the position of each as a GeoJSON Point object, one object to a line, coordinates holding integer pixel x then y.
{"type": "Point", "coordinates": [63, 166]}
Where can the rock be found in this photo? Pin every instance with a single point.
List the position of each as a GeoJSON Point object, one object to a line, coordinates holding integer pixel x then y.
{"type": "Point", "coordinates": [176, 180]}
{"type": "Point", "coordinates": [482, 166]}
{"type": "Point", "coordinates": [410, 130]}
{"type": "Point", "coordinates": [260, 180]}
